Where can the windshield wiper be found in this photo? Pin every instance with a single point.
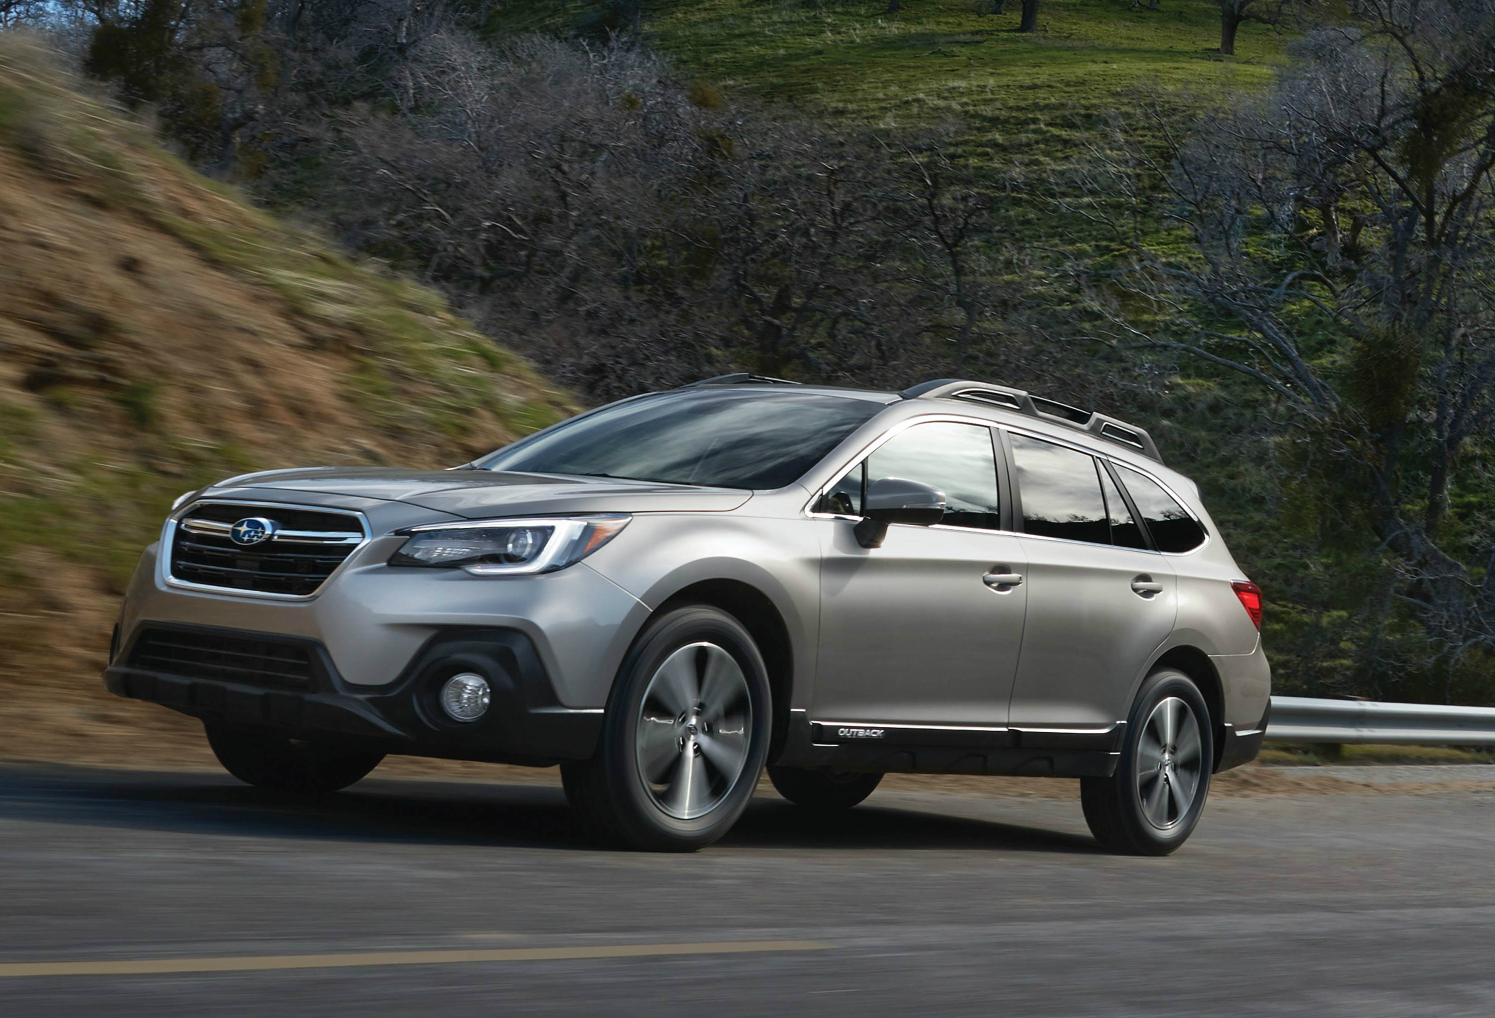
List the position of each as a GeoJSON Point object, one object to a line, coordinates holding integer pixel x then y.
{"type": "Point", "coordinates": [620, 477]}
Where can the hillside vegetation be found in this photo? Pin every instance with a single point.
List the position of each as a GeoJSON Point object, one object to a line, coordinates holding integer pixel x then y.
{"type": "Point", "coordinates": [155, 333]}
{"type": "Point", "coordinates": [1014, 95]}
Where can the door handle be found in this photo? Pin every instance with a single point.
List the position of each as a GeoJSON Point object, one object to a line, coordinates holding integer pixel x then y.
{"type": "Point", "coordinates": [1002, 582]}
{"type": "Point", "coordinates": [1146, 586]}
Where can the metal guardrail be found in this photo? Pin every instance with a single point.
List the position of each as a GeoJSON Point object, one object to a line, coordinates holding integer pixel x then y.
{"type": "Point", "coordinates": [1301, 719]}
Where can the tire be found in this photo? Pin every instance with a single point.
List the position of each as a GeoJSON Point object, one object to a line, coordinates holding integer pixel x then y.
{"type": "Point", "coordinates": [684, 739]}
{"type": "Point", "coordinates": [823, 790]}
{"type": "Point", "coordinates": [289, 765]}
{"type": "Point", "coordinates": [1153, 802]}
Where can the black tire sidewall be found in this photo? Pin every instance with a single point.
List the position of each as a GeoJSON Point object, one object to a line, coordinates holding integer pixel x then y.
{"type": "Point", "coordinates": [637, 818]}
{"type": "Point", "coordinates": [1159, 686]}
{"type": "Point", "coordinates": [284, 765]}
{"type": "Point", "coordinates": [822, 789]}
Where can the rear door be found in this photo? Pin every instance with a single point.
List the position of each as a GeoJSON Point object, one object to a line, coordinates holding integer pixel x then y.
{"type": "Point", "coordinates": [1100, 602]}
{"type": "Point", "coordinates": [919, 632]}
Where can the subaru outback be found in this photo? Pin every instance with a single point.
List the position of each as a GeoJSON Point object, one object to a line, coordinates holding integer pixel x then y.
{"type": "Point", "coordinates": [672, 593]}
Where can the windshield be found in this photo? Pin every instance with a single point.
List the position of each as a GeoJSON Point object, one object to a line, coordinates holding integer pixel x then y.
{"type": "Point", "coordinates": [728, 438]}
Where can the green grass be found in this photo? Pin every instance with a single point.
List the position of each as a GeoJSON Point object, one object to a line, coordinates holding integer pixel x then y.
{"type": "Point", "coordinates": [1311, 756]}
{"type": "Point", "coordinates": [944, 61]}
{"type": "Point", "coordinates": [1018, 108]}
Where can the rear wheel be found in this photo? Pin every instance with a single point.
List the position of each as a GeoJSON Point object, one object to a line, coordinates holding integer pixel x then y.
{"type": "Point", "coordinates": [289, 765]}
{"type": "Point", "coordinates": [823, 790]}
{"type": "Point", "coordinates": [1152, 803]}
{"type": "Point", "coordinates": [685, 737]}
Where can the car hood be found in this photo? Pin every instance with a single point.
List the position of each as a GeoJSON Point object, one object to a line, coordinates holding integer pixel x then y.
{"type": "Point", "coordinates": [483, 493]}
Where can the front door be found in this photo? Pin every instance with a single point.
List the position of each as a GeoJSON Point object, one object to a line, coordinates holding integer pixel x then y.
{"type": "Point", "coordinates": [921, 631]}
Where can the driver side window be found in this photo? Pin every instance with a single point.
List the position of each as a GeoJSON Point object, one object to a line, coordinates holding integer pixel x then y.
{"type": "Point", "coordinates": [958, 459]}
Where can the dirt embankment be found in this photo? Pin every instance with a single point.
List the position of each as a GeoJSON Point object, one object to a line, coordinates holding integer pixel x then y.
{"type": "Point", "coordinates": [156, 332]}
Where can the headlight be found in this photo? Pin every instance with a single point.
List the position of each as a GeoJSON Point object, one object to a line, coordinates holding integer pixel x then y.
{"type": "Point", "coordinates": [508, 547]}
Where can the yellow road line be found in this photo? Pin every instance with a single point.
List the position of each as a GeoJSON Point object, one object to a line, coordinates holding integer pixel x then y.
{"type": "Point", "coordinates": [166, 966]}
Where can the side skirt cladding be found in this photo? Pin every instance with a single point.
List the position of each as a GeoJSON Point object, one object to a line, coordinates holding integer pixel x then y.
{"type": "Point", "coordinates": [920, 749]}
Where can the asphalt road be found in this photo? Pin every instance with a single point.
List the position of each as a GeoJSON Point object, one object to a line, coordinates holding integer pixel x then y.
{"type": "Point", "coordinates": [458, 900]}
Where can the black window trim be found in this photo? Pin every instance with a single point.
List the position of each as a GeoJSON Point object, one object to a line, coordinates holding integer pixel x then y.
{"type": "Point", "coordinates": [1131, 507]}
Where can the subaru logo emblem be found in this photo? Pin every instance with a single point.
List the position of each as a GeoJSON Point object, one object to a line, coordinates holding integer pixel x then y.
{"type": "Point", "coordinates": [253, 530]}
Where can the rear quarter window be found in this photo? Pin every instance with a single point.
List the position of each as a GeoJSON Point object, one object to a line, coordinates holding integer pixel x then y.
{"type": "Point", "coordinates": [1171, 526]}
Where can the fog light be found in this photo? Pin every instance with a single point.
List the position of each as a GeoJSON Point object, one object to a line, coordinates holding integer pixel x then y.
{"type": "Point", "coordinates": [465, 697]}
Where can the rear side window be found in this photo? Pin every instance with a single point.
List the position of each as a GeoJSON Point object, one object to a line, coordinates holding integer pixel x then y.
{"type": "Point", "coordinates": [958, 459]}
{"type": "Point", "coordinates": [1124, 530]}
{"type": "Point", "coordinates": [1061, 492]}
{"type": "Point", "coordinates": [1170, 525]}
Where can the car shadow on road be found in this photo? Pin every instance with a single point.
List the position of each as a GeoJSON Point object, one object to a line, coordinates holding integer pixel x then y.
{"type": "Point", "coordinates": [458, 813]}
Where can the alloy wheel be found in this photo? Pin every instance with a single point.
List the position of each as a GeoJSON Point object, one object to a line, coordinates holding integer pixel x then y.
{"type": "Point", "coordinates": [1170, 763]}
{"type": "Point", "coordinates": [694, 727]}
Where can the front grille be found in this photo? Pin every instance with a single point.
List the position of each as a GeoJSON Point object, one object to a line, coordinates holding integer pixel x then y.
{"type": "Point", "coordinates": [253, 661]}
{"type": "Point", "coordinates": [308, 544]}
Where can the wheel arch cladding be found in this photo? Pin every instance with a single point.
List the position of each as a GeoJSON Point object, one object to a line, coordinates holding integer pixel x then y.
{"type": "Point", "coordinates": [1196, 664]}
{"type": "Point", "coordinates": [763, 621]}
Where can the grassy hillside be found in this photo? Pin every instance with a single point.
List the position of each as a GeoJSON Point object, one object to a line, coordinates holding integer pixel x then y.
{"type": "Point", "coordinates": [157, 333]}
{"type": "Point", "coordinates": [1022, 95]}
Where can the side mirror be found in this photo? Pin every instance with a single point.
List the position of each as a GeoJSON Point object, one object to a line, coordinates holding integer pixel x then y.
{"type": "Point", "coordinates": [895, 500]}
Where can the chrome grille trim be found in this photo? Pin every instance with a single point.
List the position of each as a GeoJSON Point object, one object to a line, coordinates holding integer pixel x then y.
{"type": "Point", "coordinates": [342, 544]}
{"type": "Point", "coordinates": [214, 528]}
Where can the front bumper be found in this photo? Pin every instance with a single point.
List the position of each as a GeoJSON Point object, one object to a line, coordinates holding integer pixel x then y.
{"type": "Point", "coordinates": [372, 619]}
{"type": "Point", "coordinates": [524, 722]}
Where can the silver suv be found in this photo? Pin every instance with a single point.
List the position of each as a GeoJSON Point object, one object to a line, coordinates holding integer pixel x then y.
{"type": "Point", "coordinates": [670, 593]}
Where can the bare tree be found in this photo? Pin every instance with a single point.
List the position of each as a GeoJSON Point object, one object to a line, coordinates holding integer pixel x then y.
{"type": "Point", "coordinates": [626, 231]}
{"type": "Point", "coordinates": [1029, 20]}
{"type": "Point", "coordinates": [16, 13]}
{"type": "Point", "coordinates": [1235, 13]}
{"type": "Point", "coordinates": [950, 234]}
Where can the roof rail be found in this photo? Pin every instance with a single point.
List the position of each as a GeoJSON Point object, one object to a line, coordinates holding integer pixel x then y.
{"type": "Point", "coordinates": [1023, 402]}
{"type": "Point", "coordinates": [739, 378]}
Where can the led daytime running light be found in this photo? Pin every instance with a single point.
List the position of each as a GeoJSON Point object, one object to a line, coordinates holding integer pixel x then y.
{"type": "Point", "coordinates": [508, 547]}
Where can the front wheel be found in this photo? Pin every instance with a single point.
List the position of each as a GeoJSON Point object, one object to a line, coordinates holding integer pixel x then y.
{"type": "Point", "coordinates": [1152, 803]}
{"type": "Point", "coordinates": [288, 765]}
{"type": "Point", "coordinates": [685, 736]}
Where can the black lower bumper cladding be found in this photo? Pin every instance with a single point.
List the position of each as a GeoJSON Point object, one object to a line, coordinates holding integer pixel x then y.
{"type": "Point", "coordinates": [1241, 749]}
{"type": "Point", "coordinates": [243, 680]}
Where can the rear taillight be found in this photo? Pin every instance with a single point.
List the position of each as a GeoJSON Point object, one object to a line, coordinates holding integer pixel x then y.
{"type": "Point", "coordinates": [1250, 595]}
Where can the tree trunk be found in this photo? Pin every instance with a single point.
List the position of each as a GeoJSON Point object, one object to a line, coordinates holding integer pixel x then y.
{"type": "Point", "coordinates": [894, 6]}
{"type": "Point", "coordinates": [771, 332]}
{"type": "Point", "coordinates": [1030, 17]}
{"type": "Point", "coordinates": [1230, 23]}
{"type": "Point", "coordinates": [998, 6]}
